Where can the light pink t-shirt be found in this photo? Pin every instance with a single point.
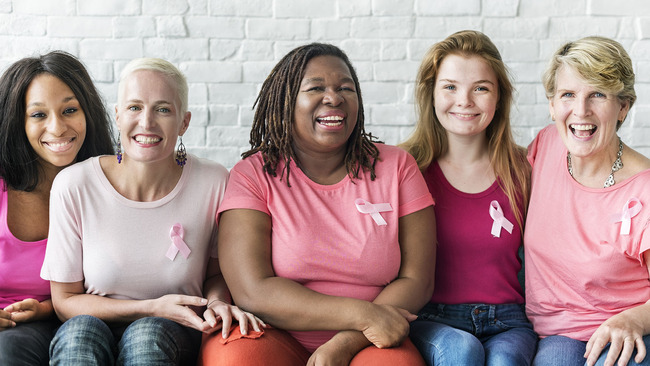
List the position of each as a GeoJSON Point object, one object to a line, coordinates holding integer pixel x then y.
{"type": "Point", "coordinates": [319, 238]}
{"type": "Point", "coordinates": [118, 247]}
{"type": "Point", "coordinates": [473, 266]}
{"type": "Point", "coordinates": [20, 263]}
{"type": "Point", "coordinates": [580, 269]}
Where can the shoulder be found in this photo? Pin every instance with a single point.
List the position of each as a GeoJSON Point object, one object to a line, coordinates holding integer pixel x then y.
{"type": "Point", "coordinates": [202, 166]}
{"type": "Point", "coordinates": [77, 173]}
{"type": "Point", "coordinates": [390, 152]}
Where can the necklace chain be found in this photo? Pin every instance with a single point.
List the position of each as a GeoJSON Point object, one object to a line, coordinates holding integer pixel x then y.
{"type": "Point", "coordinates": [618, 164]}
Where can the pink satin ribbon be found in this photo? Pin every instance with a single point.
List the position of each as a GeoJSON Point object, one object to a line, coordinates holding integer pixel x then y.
{"type": "Point", "coordinates": [373, 210]}
{"type": "Point", "coordinates": [500, 221]}
{"type": "Point", "coordinates": [178, 245]}
{"type": "Point", "coordinates": [632, 208]}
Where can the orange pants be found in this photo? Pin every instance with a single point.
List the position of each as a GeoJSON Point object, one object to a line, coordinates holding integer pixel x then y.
{"type": "Point", "coordinates": [277, 347]}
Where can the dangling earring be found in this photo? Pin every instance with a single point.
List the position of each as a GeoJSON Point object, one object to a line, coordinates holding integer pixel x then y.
{"type": "Point", "coordinates": [119, 149]}
{"type": "Point", "coordinates": [181, 154]}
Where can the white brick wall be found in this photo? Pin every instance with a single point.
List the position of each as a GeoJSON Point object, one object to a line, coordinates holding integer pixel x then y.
{"type": "Point", "coordinates": [227, 47]}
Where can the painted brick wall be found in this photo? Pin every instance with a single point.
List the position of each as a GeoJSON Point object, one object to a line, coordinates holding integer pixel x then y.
{"type": "Point", "coordinates": [227, 47]}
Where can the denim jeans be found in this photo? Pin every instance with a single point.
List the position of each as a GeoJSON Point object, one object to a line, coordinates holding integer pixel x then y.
{"type": "Point", "coordinates": [565, 351]}
{"type": "Point", "coordinates": [86, 340]}
{"type": "Point", "coordinates": [27, 344]}
{"type": "Point", "coordinates": [474, 334]}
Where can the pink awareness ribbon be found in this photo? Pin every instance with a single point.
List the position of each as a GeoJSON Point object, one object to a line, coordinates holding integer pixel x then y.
{"type": "Point", "coordinates": [632, 208]}
{"type": "Point", "coordinates": [178, 245]}
{"type": "Point", "coordinates": [500, 220]}
{"type": "Point", "coordinates": [373, 210]}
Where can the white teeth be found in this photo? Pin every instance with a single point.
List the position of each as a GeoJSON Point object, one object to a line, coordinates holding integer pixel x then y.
{"type": "Point", "coordinates": [583, 127]}
{"type": "Point", "coordinates": [331, 118]}
{"type": "Point", "coordinates": [330, 124]}
{"type": "Point", "coordinates": [147, 140]}
{"type": "Point", "coordinates": [465, 115]}
{"type": "Point", "coordinates": [58, 144]}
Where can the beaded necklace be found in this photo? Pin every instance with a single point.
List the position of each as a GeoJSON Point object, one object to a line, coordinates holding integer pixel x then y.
{"type": "Point", "coordinates": [618, 164]}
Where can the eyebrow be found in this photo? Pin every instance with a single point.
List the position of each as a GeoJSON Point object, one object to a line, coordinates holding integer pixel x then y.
{"type": "Point", "coordinates": [345, 79]}
{"type": "Point", "coordinates": [39, 104]}
{"type": "Point", "coordinates": [475, 82]}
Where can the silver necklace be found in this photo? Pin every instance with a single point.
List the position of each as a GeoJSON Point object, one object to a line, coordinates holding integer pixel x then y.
{"type": "Point", "coordinates": [618, 164]}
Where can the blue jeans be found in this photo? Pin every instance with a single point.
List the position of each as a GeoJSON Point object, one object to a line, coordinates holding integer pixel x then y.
{"type": "Point", "coordinates": [27, 344]}
{"type": "Point", "coordinates": [565, 351]}
{"type": "Point", "coordinates": [87, 340]}
{"type": "Point", "coordinates": [474, 334]}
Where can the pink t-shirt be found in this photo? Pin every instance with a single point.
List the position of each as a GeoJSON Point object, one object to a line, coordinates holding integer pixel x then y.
{"type": "Point", "coordinates": [319, 238]}
{"type": "Point", "coordinates": [20, 263]}
{"type": "Point", "coordinates": [124, 249]}
{"type": "Point", "coordinates": [473, 266]}
{"type": "Point", "coordinates": [580, 268]}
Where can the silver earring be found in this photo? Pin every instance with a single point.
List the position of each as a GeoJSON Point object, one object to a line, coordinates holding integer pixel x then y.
{"type": "Point", "coordinates": [181, 154]}
{"type": "Point", "coordinates": [119, 149]}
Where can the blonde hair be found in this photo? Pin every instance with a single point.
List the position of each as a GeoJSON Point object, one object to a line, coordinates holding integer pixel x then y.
{"type": "Point", "coordinates": [429, 139]}
{"type": "Point", "coordinates": [162, 66]}
{"type": "Point", "coordinates": [601, 61]}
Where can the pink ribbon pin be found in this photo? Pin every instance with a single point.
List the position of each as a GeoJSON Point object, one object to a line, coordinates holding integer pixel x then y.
{"type": "Point", "coordinates": [500, 220]}
{"type": "Point", "coordinates": [632, 208]}
{"type": "Point", "coordinates": [178, 245]}
{"type": "Point", "coordinates": [373, 210]}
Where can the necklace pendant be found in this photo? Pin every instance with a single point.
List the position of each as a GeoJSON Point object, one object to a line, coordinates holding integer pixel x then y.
{"type": "Point", "coordinates": [610, 181]}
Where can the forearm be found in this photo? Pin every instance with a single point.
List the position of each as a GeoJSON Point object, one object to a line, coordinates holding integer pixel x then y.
{"type": "Point", "coordinates": [407, 293]}
{"type": "Point", "coordinates": [106, 309]}
{"type": "Point", "coordinates": [215, 289]}
{"type": "Point", "coordinates": [286, 304]}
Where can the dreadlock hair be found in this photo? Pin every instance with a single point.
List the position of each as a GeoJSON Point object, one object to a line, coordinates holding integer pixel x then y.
{"type": "Point", "coordinates": [272, 130]}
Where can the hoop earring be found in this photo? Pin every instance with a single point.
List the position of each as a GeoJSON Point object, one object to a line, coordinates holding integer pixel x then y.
{"type": "Point", "coordinates": [119, 149]}
{"type": "Point", "coordinates": [181, 154]}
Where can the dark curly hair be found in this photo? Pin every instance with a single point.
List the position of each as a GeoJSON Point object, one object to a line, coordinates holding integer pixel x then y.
{"type": "Point", "coordinates": [272, 128]}
{"type": "Point", "coordinates": [19, 165]}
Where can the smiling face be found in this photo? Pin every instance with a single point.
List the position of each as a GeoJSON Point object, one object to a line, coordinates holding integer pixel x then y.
{"type": "Point", "coordinates": [149, 116]}
{"type": "Point", "coordinates": [465, 95]}
{"type": "Point", "coordinates": [55, 124]}
{"type": "Point", "coordinates": [326, 107]}
{"type": "Point", "coordinates": [585, 116]}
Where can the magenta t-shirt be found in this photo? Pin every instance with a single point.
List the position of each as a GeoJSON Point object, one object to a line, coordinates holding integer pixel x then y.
{"type": "Point", "coordinates": [473, 266]}
{"type": "Point", "coordinates": [319, 237]}
{"type": "Point", "coordinates": [20, 264]}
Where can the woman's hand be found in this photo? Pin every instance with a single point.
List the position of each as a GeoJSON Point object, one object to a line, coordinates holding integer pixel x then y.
{"type": "Point", "coordinates": [5, 320]}
{"type": "Point", "coordinates": [179, 309]}
{"type": "Point", "coordinates": [624, 332]}
{"type": "Point", "coordinates": [29, 310]}
{"type": "Point", "coordinates": [387, 325]}
{"type": "Point", "coordinates": [332, 353]}
{"type": "Point", "coordinates": [219, 315]}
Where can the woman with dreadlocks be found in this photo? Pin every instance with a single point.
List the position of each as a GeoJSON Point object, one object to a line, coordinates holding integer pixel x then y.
{"type": "Point", "coordinates": [323, 233]}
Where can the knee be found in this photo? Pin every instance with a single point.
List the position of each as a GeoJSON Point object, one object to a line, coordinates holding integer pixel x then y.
{"type": "Point", "coordinates": [81, 329]}
{"type": "Point", "coordinates": [81, 340]}
{"type": "Point", "coordinates": [451, 346]}
{"type": "Point", "coordinates": [150, 332]}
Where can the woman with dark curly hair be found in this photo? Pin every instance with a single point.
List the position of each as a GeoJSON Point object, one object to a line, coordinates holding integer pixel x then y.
{"type": "Point", "coordinates": [324, 234]}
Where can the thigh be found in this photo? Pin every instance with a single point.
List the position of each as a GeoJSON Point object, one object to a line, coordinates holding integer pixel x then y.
{"type": "Point", "coordinates": [515, 346]}
{"type": "Point", "coordinates": [274, 347]}
{"type": "Point", "coordinates": [631, 362]}
{"type": "Point", "coordinates": [83, 340]}
{"type": "Point", "coordinates": [405, 354]}
{"type": "Point", "coordinates": [441, 344]}
{"type": "Point", "coordinates": [28, 343]}
{"type": "Point", "coordinates": [560, 351]}
{"type": "Point", "coordinates": [158, 341]}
